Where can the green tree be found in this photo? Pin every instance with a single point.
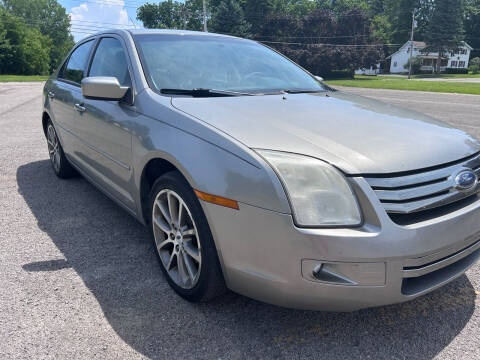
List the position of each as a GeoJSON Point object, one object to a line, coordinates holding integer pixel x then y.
{"type": "Point", "coordinates": [228, 18]}
{"type": "Point", "coordinates": [445, 31]}
{"type": "Point", "coordinates": [416, 65]}
{"type": "Point", "coordinates": [472, 25]}
{"type": "Point", "coordinates": [255, 12]}
{"type": "Point", "coordinates": [172, 15]}
{"type": "Point", "coordinates": [164, 15]}
{"type": "Point", "coordinates": [48, 17]}
{"type": "Point", "coordinates": [23, 49]}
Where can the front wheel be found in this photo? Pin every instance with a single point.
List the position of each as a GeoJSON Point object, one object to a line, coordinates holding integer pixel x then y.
{"type": "Point", "coordinates": [183, 240]}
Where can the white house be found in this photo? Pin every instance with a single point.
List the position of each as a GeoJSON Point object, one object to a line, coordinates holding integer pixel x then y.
{"type": "Point", "coordinates": [459, 59]}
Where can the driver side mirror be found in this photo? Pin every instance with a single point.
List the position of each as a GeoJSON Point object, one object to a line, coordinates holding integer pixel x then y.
{"type": "Point", "coordinates": [103, 88]}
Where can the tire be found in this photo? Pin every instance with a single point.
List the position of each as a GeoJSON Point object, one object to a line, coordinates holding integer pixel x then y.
{"type": "Point", "coordinates": [185, 248]}
{"type": "Point", "coordinates": [60, 164]}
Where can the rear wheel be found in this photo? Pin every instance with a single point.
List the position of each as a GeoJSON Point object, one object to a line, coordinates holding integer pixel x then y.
{"type": "Point", "coordinates": [183, 241]}
{"type": "Point", "coordinates": [61, 166]}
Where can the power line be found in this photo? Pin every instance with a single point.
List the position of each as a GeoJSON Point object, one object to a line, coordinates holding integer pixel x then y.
{"type": "Point", "coordinates": [95, 22]}
{"type": "Point", "coordinates": [331, 45]}
{"type": "Point", "coordinates": [110, 3]}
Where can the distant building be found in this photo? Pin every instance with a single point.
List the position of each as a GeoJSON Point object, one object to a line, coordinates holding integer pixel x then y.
{"type": "Point", "coordinates": [459, 59]}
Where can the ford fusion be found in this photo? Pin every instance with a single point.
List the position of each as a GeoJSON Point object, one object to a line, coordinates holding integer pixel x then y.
{"type": "Point", "coordinates": [252, 175]}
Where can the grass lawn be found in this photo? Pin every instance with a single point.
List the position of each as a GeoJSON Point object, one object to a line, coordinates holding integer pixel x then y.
{"type": "Point", "coordinates": [393, 83]}
{"type": "Point", "coordinates": [446, 76]}
{"type": "Point", "coordinates": [22, 78]}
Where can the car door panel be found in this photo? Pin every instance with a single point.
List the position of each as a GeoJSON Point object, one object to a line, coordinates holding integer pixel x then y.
{"type": "Point", "coordinates": [66, 96]}
{"type": "Point", "coordinates": [103, 127]}
{"type": "Point", "coordinates": [107, 146]}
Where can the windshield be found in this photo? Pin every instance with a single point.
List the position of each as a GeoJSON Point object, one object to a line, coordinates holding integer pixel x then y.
{"type": "Point", "coordinates": [213, 62]}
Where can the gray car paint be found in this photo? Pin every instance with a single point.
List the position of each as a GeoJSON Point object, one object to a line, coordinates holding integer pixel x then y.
{"type": "Point", "coordinates": [358, 135]}
{"type": "Point", "coordinates": [210, 141]}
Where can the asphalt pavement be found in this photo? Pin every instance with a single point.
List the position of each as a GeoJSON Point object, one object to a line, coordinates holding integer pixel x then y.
{"type": "Point", "coordinates": [79, 278]}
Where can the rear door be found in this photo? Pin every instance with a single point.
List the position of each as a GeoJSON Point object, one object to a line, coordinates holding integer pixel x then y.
{"type": "Point", "coordinates": [104, 126]}
{"type": "Point", "coordinates": [65, 93]}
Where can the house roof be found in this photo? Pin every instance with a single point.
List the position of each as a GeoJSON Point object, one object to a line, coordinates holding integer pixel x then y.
{"type": "Point", "coordinates": [422, 45]}
{"type": "Point", "coordinates": [419, 44]}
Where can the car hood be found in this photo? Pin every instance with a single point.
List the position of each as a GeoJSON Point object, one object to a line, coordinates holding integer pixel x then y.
{"type": "Point", "coordinates": [356, 134]}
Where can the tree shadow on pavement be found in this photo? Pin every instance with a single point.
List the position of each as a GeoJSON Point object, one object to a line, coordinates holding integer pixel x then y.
{"type": "Point", "coordinates": [114, 256]}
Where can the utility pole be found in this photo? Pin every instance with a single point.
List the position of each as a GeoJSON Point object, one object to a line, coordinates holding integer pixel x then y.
{"type": "Point", "coordinates": [411, 46]}
{"type": "Point", "coordinates": [205, 16]}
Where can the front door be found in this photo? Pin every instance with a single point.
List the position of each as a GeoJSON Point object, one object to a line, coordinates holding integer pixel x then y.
{"type": "Point", "coordinates": [104, 126]}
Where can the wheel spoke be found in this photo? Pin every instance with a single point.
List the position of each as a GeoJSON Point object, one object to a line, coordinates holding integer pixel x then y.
{"type": "Point", "coordinates": [164, 211]}
{"type": "Point", "coordinates": [191, 251]}
{"type": "Point", "coordinates": [182, 271]}
{"type": "Point", "coordinates": [188, 233]}
{"type": "Point", "coordinates": [180, 213]}
{"type": "Point", "coordinates": [162, 225]}
{"type": "Point", "coordinates": [173, 208]}
{"type": "Point", "coordinates": [190, 269]}
{"type": "Point", "coordinates": [169, 265]}
{"type": "Point", "coordinates": [163, 244]}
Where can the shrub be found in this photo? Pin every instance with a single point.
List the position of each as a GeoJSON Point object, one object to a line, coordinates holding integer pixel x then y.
{"type": "Point", "coordinates": [475, 65]}
{"type": "Point", "coordinates": [338, 75]}
{"type": "Point", "coordinates": [416, 65]}
{"type": "Point", "coordinates": [456, 71]}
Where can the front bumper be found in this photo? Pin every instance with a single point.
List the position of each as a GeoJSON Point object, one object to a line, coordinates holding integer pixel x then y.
{"type": "Point", "coordinates": [265, 257]}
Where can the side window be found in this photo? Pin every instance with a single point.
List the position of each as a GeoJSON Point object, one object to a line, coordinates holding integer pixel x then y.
{"type": "Point", "coordinates": [110, 60]}
{"type": "Point", "coordinates": [76, 64]}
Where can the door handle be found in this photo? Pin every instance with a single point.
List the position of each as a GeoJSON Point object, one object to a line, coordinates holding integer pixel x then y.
{"type": "Point", "coordinates": [51, 95]}
{"type": "Point", "coordinates": [79, 108]}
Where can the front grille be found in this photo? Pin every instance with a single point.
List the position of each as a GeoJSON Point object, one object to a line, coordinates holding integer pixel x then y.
{"type": "Point", "coordinates": [423, 190]}
{"type": "Point", "coordinates": [420, 191]}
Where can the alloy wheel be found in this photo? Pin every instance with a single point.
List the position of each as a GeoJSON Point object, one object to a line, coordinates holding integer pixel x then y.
{"type": "Point", "coordinates": [176, 238]}
{"type": "Point", "coordinates": [53, 147]}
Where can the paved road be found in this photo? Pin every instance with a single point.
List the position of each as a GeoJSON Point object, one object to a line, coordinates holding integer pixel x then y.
{"type": "Point", "coordinates": [79, 279]}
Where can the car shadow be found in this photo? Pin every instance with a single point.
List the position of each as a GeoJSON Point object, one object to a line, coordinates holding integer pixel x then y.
{"type": "Point", "coordinates": [114, 256]}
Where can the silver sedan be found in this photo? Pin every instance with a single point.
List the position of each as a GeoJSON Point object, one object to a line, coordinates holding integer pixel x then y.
{"type": "Point", "coordinates": [253, 175]}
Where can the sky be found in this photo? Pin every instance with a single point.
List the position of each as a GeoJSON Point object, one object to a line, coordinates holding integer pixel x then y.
{"type": "Point", "coordinates": [90, 16]}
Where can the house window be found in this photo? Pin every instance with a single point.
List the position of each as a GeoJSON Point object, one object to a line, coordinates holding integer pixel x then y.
{"type": "Point", "coordinates": [454, 64]}
{"type": "Point", "coordinates": [462, 51]}
{"type": "Point", "coordinates": [395, 64]}
{"type": "Point", "coordinates": [461, 64]}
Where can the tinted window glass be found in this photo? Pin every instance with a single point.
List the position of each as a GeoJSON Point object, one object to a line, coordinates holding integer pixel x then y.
{"type": "Point", "coordinates": [214, 62]}
{"type": "Point", "coordinates": [110, 60]}
{"type": "Point", "coordinates": [74, 70]}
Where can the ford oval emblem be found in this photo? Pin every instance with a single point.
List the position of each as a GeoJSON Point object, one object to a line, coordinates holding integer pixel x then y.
{"type": "Point", "coordinates": [466, 180]}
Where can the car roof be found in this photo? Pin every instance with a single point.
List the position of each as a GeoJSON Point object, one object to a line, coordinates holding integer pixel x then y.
{"type": "Point", "coordinates": [173, 32]}
{"type": "Point", "coordinates": [124, 32]}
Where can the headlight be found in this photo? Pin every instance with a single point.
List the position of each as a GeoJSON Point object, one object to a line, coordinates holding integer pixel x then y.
{"type": "Point", "coordinates": [319, 194]}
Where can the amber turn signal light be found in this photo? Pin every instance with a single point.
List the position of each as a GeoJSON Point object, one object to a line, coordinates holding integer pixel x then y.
{"type": "Point", "coordinates": [217, 200]}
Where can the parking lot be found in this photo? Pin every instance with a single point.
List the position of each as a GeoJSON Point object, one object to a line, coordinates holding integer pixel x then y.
{"type": "Point", "coordinates": [79, 277]}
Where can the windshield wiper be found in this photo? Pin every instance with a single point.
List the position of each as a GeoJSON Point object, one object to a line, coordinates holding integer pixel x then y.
{"type": "Point", "coordinates": [304, 91]}
{"type": "Point", "coordinates": [199, 92]}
